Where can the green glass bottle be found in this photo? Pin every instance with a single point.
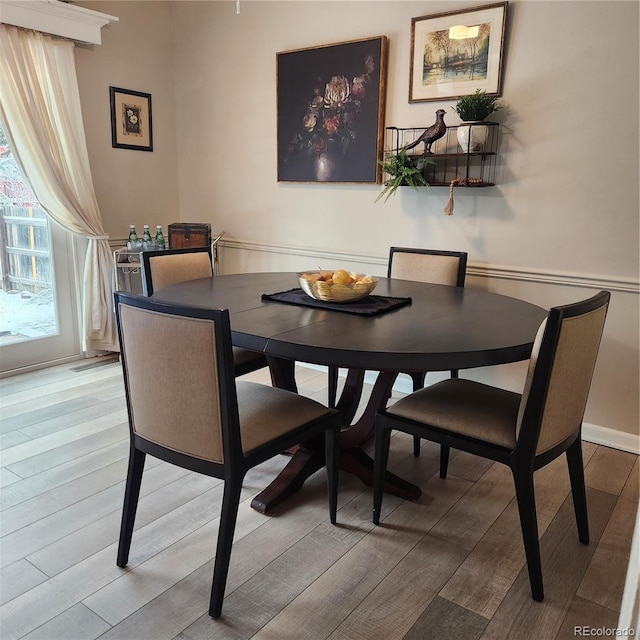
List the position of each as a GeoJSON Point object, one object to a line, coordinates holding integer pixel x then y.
{"type": "Point", "coordinates": [133, 241]}
{"type": "Point", "coordinates": [146, 237]}
{"type": "Point", "coordinates": [159, 240]}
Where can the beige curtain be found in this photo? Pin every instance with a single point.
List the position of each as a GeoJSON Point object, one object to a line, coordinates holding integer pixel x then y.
{"type": "Point", "coordinates": [41, 114]}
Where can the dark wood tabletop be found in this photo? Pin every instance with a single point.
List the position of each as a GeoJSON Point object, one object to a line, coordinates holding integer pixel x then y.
{"type": "Point", "coordinates": [443, 328]}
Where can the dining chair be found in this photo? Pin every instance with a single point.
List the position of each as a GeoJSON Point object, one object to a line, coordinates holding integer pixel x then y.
{"type": "Point", "coordinates": [161, 269]}
{"type": "Point", "coordinates": [437, 267]}
{"type": "Point", "coordinates": [422, 265]}
{"type": "Point", "coordinates": [186, 408]}
{"type": "Point", "coordinates": [523, 431]}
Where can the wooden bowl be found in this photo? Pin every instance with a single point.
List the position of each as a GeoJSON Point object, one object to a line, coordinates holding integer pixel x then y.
{"type": "Point", "coordinates": [327, 292]}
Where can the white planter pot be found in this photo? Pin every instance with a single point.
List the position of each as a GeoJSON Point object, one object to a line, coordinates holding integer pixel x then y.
{"type": "Point", "coordinates": [472, 136]}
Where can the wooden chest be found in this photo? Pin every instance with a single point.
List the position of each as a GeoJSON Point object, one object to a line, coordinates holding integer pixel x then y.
{"type": "Point", "coordinates": [185, 235]}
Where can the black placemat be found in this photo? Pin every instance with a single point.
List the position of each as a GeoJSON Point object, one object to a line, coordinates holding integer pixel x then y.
{"type": "Point", "coordinates": [369, 306]}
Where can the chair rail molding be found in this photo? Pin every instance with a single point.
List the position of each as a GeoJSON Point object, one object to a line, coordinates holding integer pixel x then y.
{"type": "Point", "coordinates": [479, 269]}
{"type": "Point", "coordinates": [57, 18]}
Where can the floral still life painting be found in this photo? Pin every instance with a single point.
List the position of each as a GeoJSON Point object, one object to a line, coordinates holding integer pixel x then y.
{"type": "Point", "coordinates": [331, 112]}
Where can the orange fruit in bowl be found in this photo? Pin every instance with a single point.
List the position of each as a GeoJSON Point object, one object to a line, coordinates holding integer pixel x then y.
{"type": "Point", "coordinates": [341, 277]}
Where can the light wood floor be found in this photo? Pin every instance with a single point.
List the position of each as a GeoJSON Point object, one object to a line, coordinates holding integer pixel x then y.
{"type": "Point", "coordinates": [449, 566]}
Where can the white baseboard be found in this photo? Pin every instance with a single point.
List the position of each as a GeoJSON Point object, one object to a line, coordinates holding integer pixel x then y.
{"type": "Point", "coordinates": [41, 365]}
{"type": "Point", "coordinates": [590, 432]}
{"type": "Point", "coordinates": [611, 438]}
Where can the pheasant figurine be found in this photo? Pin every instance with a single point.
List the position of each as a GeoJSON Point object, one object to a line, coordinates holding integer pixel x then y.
{"type": "Point", "coordinates": [431, 134]}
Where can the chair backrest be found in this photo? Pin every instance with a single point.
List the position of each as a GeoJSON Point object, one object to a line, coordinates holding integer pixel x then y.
{"type": "Point", "coordinates": [560, 373]}
{"type": "Point", "coordinates": [428, 265]}
{"type": "Point", "coordinates": [179, 377]}
{"type": "Point", "coordinates": [163, 268]}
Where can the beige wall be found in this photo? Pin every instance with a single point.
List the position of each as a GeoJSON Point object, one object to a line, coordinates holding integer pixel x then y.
{"type": "Point", "coordinates": [562, 222]}
{"type": "Point", "coordinates": [132, 187]}
{"type": "Point", "coordinates": [569, 163]}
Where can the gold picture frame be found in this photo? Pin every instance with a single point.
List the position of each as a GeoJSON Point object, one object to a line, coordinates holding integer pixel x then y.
{"type": "Point", "coordinates": [131, 126]}
{"type": "Point", "coordinates": [457, 52]}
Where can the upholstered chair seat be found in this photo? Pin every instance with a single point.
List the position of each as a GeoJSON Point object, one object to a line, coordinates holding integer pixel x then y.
{"type": "Point", "coordinates": [266, 413]}
{"type": "Point", "coordinates": [466, 408]}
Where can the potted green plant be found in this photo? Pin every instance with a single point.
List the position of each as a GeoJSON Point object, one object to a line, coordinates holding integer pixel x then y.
{"type": "Point", "coordinates": [404, 171]}
{"type": "Point", "coordinates": [473, 109]}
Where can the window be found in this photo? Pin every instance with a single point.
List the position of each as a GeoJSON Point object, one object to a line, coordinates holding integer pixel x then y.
{"type": "Point", "coordinates": [38, 311]}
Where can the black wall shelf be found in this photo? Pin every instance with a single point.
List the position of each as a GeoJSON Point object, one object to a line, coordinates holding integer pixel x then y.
{"type": "Point", "coordinates": [449, 161]}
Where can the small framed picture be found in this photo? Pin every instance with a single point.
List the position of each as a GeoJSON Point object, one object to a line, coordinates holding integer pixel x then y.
{"type": "Point", "coordinates": [131, 119]}
{"type": "Point", "coordinates": [455, 53]}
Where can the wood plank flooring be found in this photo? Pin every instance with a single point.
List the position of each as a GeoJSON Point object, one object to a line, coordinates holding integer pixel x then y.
{"type": "Point", "coordinates": [447, 566]}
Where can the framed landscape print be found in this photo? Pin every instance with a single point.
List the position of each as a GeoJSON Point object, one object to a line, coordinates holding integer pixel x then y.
{"type": "Point", "coordinates": [455, 53]}
{"type": "Point", "coordinates": [330, 116]}
{"type": "Point", "coordinates": [131, 119]}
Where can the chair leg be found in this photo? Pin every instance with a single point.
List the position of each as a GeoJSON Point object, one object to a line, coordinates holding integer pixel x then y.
{"type": "Point", "coordinates": [131, 495]}
{"type": "Point", "coordinates": [331, 457]}
{"type": "Point", "coordinates": [444, 461]}
{"type": "Point", "coordinates": [228, 517]}
{"type": "Point", "coordinates": [528, 522]}
{"type": "Point", "coordinates": [444, 451]}
{"type": "Point", "coordinates": [418, 378]}
{"type": "Point", "coordinates": [332, 389]}
{"type": "Point", "coordinates": [578, 491]}
{"type": "Point", "coordinates": [383, 438]}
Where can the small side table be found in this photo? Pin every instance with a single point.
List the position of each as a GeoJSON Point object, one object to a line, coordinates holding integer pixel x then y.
{"type": "Point", "coordinates": [127, 274]}
{"type": "Point", "coordinates": [127, 270]}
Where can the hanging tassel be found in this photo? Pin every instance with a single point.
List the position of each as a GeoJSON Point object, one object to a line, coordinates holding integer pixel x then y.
{"type": "Point", "coordinates": [449, 208]}
{"type": "Point", "coordinates": [237, 7]}
{"type": "Point", "coordinates": [470, 183]}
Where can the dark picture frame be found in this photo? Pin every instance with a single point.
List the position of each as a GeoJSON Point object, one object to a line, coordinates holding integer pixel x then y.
{"type": "Point", "coordinates": [330, 112]}
{"type": "Point", "coordinates": [457, 52]}
{"type": "Point", "coordinates": [131, 125]}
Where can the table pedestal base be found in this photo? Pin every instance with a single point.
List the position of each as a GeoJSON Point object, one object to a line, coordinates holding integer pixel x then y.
{"type": "Point", "coordinates": [305, 462]}
{"type": "Point", "coordinates": [309, 457]}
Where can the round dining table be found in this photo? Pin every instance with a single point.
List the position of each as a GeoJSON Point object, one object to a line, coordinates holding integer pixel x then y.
{"type": "Point", "coordinates": [432, 328]}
